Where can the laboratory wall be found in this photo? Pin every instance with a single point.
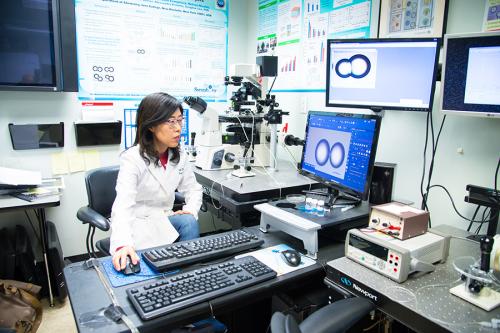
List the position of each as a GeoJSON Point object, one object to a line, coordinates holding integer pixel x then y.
{"type": "Point", "coordinates": [45, 107]}
{"type": "Point", "coordinates": [468, 150]}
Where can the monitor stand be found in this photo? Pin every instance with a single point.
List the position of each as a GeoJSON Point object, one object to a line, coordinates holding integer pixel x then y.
{"type": "Point", "coordinates": [334, 196]}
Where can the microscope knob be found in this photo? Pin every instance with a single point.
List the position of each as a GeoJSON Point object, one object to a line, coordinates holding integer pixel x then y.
{"type": "Point", "coordinates": [236, 167]}
{"type": "Point", "coordinates": [475, 287]}
{"type": "Point", "coordinates": [217, 161]}
{"type": "Point", "coordinates": [486, 245]}
{"type": "Point", "coordinates": [248, 168]}
{"type": "Point", "coordinates": [194, 153]}
{"type": "Point", "coordinates": [229, 157]}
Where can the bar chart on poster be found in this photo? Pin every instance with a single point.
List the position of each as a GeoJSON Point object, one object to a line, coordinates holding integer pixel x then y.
{"type": "Point", "coordinates": [297, 30]}
{"type": "Point", "coordinates": [128, 49]}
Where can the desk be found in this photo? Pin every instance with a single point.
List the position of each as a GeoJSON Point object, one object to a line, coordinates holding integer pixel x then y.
{"type": "Point", "coordinates": [87, 293]}
{"type": "Point", "coordinates": [239, 195]}
{"type": "Point", "coordinates": [413, 302]}
{"type": "Point", "coordinates": [8, 203]}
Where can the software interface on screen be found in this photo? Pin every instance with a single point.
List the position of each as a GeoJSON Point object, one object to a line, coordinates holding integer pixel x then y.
{"type": "Point", "coordinates": [396, 74]}
{"type": "Point", "coordinates": [338, 149]}
{"type": "Point", "coordinates": [472, 71]}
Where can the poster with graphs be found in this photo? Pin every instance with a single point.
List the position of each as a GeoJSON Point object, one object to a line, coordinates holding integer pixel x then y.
{"type": "Point", "coordinates": [297, 31]}
{"type": "Point", "coordinates": [129, 48]}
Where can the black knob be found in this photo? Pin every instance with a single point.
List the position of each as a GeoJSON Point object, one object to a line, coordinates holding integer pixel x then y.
{"type": "Point", "coordinates": [236, 167]}
{"type": "Point", "coordinates": [248, 168]}
{"type": "Point", "coordinates": [486, 245]}
{"type": "Point", "coordinates": [194, 153]}
{"type": "Point", "coordinates": [475, 286]}
{"type": "Point", "coordinates": [229, 157]}
{"type": "Point", "coordinates": [217, 162]}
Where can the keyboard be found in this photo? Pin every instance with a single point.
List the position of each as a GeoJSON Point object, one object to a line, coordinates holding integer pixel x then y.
{"type": "Point", "coordinates": [175, 292]}
{"type": "Point", "coordinates": [207, 248]}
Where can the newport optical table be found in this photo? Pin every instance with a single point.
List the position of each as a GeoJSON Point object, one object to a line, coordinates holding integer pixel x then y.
{"type": "Point", "coordinates": [422, 303]}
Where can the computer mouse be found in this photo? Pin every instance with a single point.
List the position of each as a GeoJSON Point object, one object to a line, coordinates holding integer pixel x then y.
{"type": "Point", "coordinates": [291, 257]}
{"type": "Point", "coordinates": [130, 268]}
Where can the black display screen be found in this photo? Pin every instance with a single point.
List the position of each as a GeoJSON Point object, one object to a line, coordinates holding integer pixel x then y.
{"type": "Point", "coordinates": [27, 49]}
{"type": "Point", "coordinates": [368, 247]}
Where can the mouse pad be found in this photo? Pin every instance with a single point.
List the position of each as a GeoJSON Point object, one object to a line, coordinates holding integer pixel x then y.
{"type": "Point", "coordinates": [271, 256]}
{"type": "Point", "coordinates": [118, 279]}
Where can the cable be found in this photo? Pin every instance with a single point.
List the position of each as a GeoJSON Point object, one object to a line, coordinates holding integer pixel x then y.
{"type": "Point", "coordinates": [424, 158]}
{"type": "Point", "coordinates": [431, 164]}
{"type": "Point", "coordinates": [473, 217]}
{"type": "Point", "coordinates": [272, 85]}
{"type": "Point", "coordinates": [453, 203]}
{"type": "Point", "coordinates": [33, 227]}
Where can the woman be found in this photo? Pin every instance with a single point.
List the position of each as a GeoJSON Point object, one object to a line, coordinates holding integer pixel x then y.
{"type": "Point", "coordinates": [150, 172]}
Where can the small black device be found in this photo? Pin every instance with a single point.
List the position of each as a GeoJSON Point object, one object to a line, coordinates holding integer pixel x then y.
{"type": "Point", "coordinates": [36, 136]}
{"type": "Point", "coordinates": [187, 288]}
{"type": "Point", "coordinates": [382, 183]}
{"type": "Point", "coordinates": [205, 248]}
{"type": "Point", "coordinates": [130, 268]}
{"type": "Point", "coordinates": [268, 65]}
{"type": "Point", "coordinates": [291, 257]}
{"type": "Point", "coordinates": [486, 197]}
{"type": "Point", "coordinates": [98, 134]}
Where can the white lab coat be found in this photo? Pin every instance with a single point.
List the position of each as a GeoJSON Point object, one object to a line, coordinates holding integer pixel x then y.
{"type": "Point", "coordinates": [145, 198]}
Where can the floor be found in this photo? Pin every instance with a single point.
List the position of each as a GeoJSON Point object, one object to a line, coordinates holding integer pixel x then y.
{"type": "Point", "coordinates": [58, 318]}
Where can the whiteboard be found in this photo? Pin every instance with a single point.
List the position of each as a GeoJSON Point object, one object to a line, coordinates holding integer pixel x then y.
{"type": "Point", "coordinates": [127, 49]}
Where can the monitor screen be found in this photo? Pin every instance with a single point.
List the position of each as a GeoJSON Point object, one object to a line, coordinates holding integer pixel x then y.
{"type": "Point", "coordinates": [28, 43]}
{"type": "Point", "coordinates": [395, 74]}
{"type": "Point", "coordinates": [339, 150]}
{"type": "Point", "coordinates": [471, 74]}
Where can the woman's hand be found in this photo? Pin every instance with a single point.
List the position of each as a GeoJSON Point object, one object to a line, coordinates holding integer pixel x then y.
{"type": "Point", "coordinates": [182, 212]}
{"type": "Point", "coordinates": [120, 257]}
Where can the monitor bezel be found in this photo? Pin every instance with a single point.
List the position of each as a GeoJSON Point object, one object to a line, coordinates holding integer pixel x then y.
{"type": "Point", "coordinates": [56, 85]}
{"type": "Point", "coordinates": [380, 107]}
{"type": "Point", "coordinates": [443, 76]}
{"type": "Point", "coordinates": [335, 185]}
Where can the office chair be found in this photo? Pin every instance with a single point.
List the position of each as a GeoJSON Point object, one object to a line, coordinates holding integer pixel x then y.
{"type": "Point", "coordinates": [101, 193]}
{"type": "Point", "coordinates": [333, 318]}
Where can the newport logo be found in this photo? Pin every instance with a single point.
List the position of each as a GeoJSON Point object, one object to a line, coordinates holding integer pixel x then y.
{"type": "Point", "coordinates": [364, 292]}
{"type": "Point", "coordinates": [346, 281]}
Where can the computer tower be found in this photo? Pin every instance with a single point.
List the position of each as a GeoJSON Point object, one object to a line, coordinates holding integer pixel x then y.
{"type": "Point", "coordinates": [56, 262]}
{"type": "Point", "coordinates": [7, 255]}
{"type": "Point", "coordinates": [382, 183]}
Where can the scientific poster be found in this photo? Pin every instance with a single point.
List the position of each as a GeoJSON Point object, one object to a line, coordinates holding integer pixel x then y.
{"type": "Point", "coordinates": [297, 31]}
{"type": "Point", "coordinates": [128, 49]}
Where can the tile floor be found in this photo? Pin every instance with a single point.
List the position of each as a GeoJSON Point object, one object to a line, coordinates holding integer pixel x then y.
{"type": "Point", "coordinates": [58, 318]}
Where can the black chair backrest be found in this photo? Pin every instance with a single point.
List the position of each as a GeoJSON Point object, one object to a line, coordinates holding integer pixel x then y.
{"type": "Point", "coordinates": [101, 192]}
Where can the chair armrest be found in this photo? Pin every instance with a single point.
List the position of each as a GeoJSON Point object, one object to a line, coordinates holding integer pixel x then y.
{"type": "Point", "coordinates": [338, 316]}
{"type": "Point", "coordinates": [88, 215]}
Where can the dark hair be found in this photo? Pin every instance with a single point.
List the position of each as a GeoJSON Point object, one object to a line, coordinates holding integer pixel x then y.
{"type": "Point", "coordinates": [153, 110]}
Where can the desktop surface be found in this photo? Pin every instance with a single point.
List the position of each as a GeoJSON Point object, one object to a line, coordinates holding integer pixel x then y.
{"type": "Point", "coordinates": [88, 296]}
{"type": "Point", "coordinates": [423, 303]}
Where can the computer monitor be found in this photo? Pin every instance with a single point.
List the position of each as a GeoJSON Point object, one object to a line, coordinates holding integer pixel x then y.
{"type": "Point", "coordinates": [471, 74]}
{"type": "Point", "coordinates": [339, 152]}
{"type": "Point", "coordinates": [379, 74]}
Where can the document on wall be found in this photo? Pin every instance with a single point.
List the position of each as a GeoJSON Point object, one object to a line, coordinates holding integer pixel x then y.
{"type": "Point", "coordinates": [128, 49]}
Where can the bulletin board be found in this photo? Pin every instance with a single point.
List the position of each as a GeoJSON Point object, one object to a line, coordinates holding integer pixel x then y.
{"type": "Point", "coordinates": [297, 30]}
{"type": "Point", "coordinates": [127, 49]}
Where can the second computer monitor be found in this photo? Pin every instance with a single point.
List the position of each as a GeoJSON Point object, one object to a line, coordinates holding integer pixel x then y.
{"type": "Point", "coordinates": [394, 74]}
{"type": "Point", "coordinates": [339, 150]}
